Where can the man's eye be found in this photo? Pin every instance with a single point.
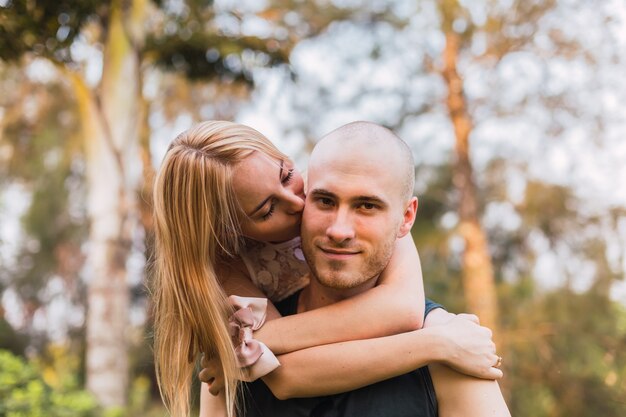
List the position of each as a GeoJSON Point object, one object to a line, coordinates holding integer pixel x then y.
{"type": "Point", "coordinates": [325, 201]}
{"type": "Point", "coordinates": [368, 206]}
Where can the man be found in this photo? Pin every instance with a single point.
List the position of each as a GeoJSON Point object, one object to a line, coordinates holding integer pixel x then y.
{"type": "Point", "coordinates": [359, 201]}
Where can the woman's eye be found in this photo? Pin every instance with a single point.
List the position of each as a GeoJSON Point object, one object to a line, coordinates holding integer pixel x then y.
{"type": "Point", "coordinates": [288, 177]}
{"type": "Point", "coordinates": [269, 212]}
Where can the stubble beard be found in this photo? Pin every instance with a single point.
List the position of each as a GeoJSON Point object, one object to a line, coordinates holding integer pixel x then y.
{"type": "Point", "coordinates": [340, 275]}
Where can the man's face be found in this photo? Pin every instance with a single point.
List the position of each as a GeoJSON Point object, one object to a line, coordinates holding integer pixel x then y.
{"type": "Point", "coordinates": [353, 212]}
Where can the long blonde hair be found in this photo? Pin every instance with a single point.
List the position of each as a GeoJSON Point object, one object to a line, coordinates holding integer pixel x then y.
{"type": "Point", "coordinates": [197, 226]}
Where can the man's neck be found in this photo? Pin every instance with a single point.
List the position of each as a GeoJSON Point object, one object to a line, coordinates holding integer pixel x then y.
{"type": "Point", "coordinates": [316, 295]}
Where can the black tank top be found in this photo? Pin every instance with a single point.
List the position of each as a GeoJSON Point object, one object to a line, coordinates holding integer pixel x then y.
{"type": "Point", "coordinates": [408, 395]}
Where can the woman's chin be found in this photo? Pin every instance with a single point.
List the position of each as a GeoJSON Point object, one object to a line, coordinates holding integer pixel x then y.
{"type": "Point", "coordinates": [288, 234]}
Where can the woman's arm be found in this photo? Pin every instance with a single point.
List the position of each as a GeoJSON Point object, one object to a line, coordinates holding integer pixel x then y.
{"type": "Point", "coordinates": [458, 342]}
{"type": "Point", "coordinates": [333, 368]}
{"type": "Point", "coordinates": [329, 369]}
{"type": "Point", "coordinates": [394, 306]}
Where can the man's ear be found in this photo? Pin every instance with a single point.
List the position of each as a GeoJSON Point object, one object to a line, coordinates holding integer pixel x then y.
{"type": "Point", "coordinates": [409, 217]}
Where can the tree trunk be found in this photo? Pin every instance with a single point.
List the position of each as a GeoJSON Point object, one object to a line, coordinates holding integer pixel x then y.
{"type": "Point", "coordinates": [109, 123]}
{"type": "Point", "coordinates": [478, 277]}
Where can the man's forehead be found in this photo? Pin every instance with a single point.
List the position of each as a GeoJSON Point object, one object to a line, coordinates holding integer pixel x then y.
{"type": "Point", "coordinates": [351, 178]}
{"type": "Point", "coordinates": [352, 160]}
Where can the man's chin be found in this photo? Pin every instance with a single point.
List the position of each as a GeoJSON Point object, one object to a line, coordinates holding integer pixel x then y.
{"type": "Point", "coordinates": [337, 281]}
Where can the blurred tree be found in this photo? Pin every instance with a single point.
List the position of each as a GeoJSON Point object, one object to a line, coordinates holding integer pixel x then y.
{"type": "Point", "coordinates": [132, 37]}
{"type": "Point", "coordinates": [565, 342]}
{"type": "Point", "coordinates": [459, 26]}
{"type": "Point", "coordinates": [42, 160]}
{"type": "Point", "coordinates": [478, 278]}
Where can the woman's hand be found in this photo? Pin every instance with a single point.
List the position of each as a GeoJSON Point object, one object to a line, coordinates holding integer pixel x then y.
{"type": "Point", "coordinates": [467, 346]}
{"type": "Point", "coordinates": [212, 374]}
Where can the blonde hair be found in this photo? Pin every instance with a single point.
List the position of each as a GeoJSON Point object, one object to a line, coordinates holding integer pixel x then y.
{"type": "Point", "coordinates": [196, 227]}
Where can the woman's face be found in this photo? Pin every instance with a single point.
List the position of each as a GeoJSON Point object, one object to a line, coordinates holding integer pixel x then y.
{"type": "Point", "coordinates": [271, 194]}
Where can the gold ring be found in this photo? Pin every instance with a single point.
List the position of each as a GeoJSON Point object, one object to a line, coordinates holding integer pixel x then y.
{"type": "Point", "coordinates": [498, 362]}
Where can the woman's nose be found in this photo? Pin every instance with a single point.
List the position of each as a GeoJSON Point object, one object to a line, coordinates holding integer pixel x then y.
{"type": "Point", "coordinates": [295, 203]}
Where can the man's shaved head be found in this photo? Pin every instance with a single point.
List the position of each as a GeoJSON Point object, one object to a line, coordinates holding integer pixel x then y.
{"type": "Point", "coordinates": [359, 203]}
{"type": "Point", "coordinates": [375, 140]}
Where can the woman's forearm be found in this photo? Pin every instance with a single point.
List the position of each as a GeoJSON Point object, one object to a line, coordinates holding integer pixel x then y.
{"type": "Point", "coordinates": [328, 369]}
{"type": "Point", "coordinates": [368, 315]}
{"type": "Point", "coordinates": [341, 367]}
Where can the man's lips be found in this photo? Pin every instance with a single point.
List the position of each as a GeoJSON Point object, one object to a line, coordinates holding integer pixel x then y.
{"type": "Point", "coordinates": [338, 253]}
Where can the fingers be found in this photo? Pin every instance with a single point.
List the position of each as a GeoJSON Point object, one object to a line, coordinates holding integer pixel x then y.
{"type": "Point", "coordinates": [494, 373]}
{"type": "Point", "coordinates": [215, 383]}
{"type": "Point", "coordinates": [211, 374]}
{"type": "Point", "coordinates": [216, 386]}
{"type": "Point", "coordinates": [498, 362]}
{"type": "Point", "coordinates": [206, 375]}
{"type": "Point", "coordinates": [488, 368]}
{"type": "Point", "coordinates": [211, 368]}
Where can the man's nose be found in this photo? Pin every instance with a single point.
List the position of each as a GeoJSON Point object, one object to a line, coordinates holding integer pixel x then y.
{"type": "Point", "coordinates": [341, 228]}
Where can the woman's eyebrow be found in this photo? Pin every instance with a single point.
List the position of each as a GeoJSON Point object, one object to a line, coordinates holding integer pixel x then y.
{"type": "Point", "coordinates": [264, 202]}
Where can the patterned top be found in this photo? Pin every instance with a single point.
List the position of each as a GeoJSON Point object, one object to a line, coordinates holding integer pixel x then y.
{"type": "Point", "coordinates": [279, 270]}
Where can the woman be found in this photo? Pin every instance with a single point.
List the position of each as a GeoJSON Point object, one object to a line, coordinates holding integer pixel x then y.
{"type": "Point", "coordinates": [223, 193]}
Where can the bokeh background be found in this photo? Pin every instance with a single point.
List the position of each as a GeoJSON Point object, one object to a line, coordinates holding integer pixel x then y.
{"type": "Point", "coordinates": [515, 111]}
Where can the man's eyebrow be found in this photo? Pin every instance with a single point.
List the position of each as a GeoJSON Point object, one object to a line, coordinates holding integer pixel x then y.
{"type": "Point", "coordinates": [322, 193]}
{"type": "Point", "coordinates": [264, 202]}
{"type": "Point", "coordinates": [371, 199]}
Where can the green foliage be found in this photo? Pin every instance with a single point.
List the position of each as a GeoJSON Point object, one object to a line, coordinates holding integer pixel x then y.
{"type": "Point", "coordinates": [44, 27]}
{"type": "Point", "coordinates": [549, 207]}
{"type": "Point", "coordinates": [24, 393]}
{"type": "Point", "coordinates": [567, 356]}
{"type": "Point", "coordinates": [49, 386]}
{"type": "Point", "coordinates": [209, 56]}
{"type": "Point", "coordinates": [10, 339]}
{"type": "Point", "coordinates": [199, 50]}
{"type": "Point", "coordinates": [48, 29]}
